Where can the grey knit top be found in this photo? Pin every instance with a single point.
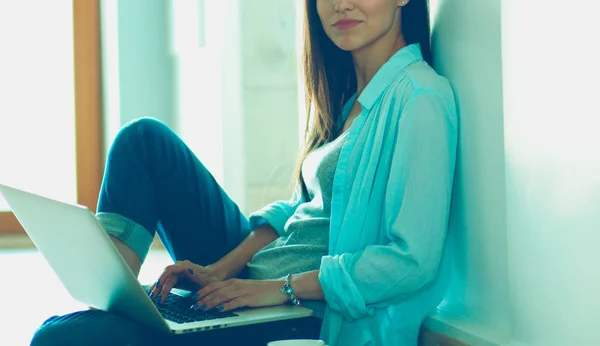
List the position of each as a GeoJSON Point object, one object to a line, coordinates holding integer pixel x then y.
{"type": "Point", "coordinates": [307, 231]}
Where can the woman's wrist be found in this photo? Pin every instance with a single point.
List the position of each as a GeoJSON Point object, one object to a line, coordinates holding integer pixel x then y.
{"type": "Point", "coordinates": [227, 268]}
{"type": "Point", "coordinates": [288, 290]}
{"type": "Point", "coordinates": [234, 262]}
{"type": "Point", "coordinates": [307, 286]}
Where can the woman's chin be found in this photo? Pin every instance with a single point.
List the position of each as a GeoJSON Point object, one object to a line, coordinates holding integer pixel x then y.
{"type": "Point", "coordinates": [348, 45]}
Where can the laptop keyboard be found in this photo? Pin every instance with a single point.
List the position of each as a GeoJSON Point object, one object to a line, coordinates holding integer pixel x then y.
{"type": "Point", "coordinates": [177, 309]}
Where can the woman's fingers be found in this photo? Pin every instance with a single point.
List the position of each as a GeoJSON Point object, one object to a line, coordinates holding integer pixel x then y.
{"type": "Point", "coordinates": [216, 294]}
{"type": "Point", "coordinates": [195, 274]}
{"type": "Point", "coordinates": [215, 302]}
{"type": "Point", "coordinates": [158, 285]}
{"type": "Point", "coordinates": [213, 286]}
{"type": "Point", "coordinates": [234, 304]}
{"type": "Point", "coordinates": [166, 289]}
{"type": "Point", "coordinates": [154, 290]}
{"type": "Point", "coordinates": [171, 275]}
{"type": "Point", "coordinates": [168, 273]}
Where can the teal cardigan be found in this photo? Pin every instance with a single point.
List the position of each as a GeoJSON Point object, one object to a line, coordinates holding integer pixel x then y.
{"type": "Point", "coordinates": [388, 261]}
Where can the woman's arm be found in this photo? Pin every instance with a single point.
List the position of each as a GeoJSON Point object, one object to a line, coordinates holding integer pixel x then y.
{"type": "Point", "coordinates": [268, 224]}
{"type": "Point", "coordinates": [235, 293]}
{"type": "Point", "coordinates": [235, 261]}
{"type": "Point", "coordinates": [226, 268]}
{"type": "Point", "coordinates": [307, 286]}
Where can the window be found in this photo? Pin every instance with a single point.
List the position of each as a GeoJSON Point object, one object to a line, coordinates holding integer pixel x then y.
{"type": "Point", "coordinates": [49, 107]}
{"type": "Point", "coordinates": [222, 74]}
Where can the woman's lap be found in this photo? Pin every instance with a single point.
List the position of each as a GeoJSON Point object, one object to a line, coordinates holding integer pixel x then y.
{"type": "Point", "coordinates": [95, 328]}
{"type": "Point", "coordinates": [90, 328]}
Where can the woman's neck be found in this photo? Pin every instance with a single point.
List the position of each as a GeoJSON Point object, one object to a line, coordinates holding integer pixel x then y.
{"type": "Point", "coordinates": [368, 60]}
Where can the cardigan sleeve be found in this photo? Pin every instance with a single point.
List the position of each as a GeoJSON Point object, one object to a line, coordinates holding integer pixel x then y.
{"type": "Point", "coordinates": [277, 213]}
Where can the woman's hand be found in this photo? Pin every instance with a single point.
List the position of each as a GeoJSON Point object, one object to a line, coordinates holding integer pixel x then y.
{"type": "Point", "coordinates": [235, 293]}
{"type": "Point", "coordinates": [197, 274]}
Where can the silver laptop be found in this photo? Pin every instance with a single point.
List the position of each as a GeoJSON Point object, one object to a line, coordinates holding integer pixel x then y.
{"type": "Point", "coordinates": [94, 273]}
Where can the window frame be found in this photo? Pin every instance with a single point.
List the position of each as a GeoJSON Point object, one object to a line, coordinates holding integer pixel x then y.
{"type": "Point", "coordinates": [88, 109]}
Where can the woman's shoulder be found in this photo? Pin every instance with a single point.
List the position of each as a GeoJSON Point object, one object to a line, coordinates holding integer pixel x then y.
{"type": "Point", "coordinates": [419, 77]}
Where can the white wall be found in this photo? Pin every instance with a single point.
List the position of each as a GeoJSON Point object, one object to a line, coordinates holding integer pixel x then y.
{"type": "Point", "coordinates": [552, 126]}
{"type": "Point", "coordinates": [467, 50]}
{"type": "Point", "coordinates": [525, 213]}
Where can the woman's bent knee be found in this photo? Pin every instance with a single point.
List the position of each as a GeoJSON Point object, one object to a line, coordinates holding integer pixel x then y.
{"type": "Point", "coordinates": [140, 136]}
{"type": "Point", "coordinates": [142, 128]}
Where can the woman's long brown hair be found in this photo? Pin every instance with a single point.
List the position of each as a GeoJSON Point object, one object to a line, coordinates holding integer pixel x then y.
{"type": "Point", "coordinates": [329, 76]}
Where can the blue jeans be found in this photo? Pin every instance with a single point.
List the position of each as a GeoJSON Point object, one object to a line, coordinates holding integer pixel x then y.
{"type": "Point", "coordinates": [154, 183]}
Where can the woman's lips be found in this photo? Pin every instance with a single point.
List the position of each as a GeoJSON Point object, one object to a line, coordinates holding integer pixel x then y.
{"type": "Point", "coordinates": [346, 24]}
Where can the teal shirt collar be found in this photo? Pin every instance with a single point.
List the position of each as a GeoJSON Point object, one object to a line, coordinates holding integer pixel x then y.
{"type": "Point", "coordinates": [382, 79]}
{"type": "Point", "coordinates": [388, 72]}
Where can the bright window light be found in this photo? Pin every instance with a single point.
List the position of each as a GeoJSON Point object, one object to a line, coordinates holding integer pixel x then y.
{"type": "Point", "coordinates": [37, 137]}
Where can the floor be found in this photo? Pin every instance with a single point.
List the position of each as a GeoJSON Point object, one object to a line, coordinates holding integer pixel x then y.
{"type": "Point", "coordinates": [31, 292]}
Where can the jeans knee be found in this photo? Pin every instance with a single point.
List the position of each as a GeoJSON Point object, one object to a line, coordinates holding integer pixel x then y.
{"type": "Point", "coordinates": [140, 133]}
{"type": "Point", "coordinates": [141, 128]}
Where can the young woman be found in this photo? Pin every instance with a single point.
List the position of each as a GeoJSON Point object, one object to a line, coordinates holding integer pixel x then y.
{"type": "Point", "coordinates": [363, 236]}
